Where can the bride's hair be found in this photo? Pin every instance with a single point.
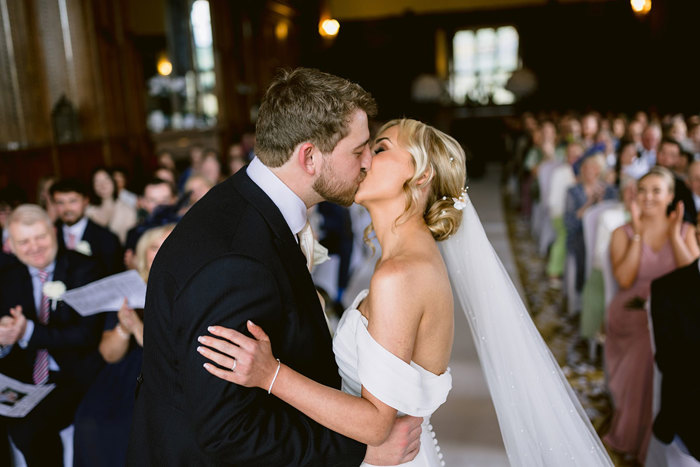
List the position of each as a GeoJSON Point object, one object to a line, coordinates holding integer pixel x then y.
{"type": "Point", "coordinates": [442, 157]}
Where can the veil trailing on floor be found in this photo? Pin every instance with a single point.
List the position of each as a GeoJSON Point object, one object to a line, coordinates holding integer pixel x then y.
{"type": "Point", "coordinates": [541, 419]}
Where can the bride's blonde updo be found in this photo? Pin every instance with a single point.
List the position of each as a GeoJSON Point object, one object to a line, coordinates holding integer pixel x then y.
{"type": "Point", "coordinates": [442, 157]}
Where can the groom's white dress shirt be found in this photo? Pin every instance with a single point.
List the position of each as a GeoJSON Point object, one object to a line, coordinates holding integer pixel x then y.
{"type": "Point", "coordinates": [293, 209]}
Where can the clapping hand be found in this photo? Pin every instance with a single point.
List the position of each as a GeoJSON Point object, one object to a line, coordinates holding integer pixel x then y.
{"type": "Point", "coordinates": [130, 322]}
{"type": "Point", "coordinates": [12, 327]}
{"type": "Point", "coordinates": [636, 217]}
{"type": "Point", "coordinates": [675, 219]}
{"type": "Point", "coordinates": [249, 362]}
{"type": "Point", "coordinates": [598, 193]}
{"type": "Point", "coordinates": [128, 319]}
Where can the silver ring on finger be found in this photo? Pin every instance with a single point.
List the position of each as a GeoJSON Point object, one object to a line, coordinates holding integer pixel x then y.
{"type": "Point", "coordinates": [233, 368]}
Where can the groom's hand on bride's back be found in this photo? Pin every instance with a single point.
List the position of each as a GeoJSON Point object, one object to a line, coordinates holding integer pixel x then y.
{"type": "Point", "coordinates": [401, 446]}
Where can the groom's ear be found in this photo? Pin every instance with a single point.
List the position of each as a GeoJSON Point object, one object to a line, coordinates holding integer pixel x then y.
{"type": "Point", "coordinates": [308, 158]}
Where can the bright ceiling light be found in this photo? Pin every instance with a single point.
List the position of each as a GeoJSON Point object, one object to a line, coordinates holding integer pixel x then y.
{"type": "Point", "coordinates": [329, 28]}
{"type": "Point", "coordinates": [641, 7]}
{"type": "Point", "coordinates": [164, 66]}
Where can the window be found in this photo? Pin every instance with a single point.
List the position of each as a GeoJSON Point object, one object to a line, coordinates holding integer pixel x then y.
{"type": "Point", "coordinates": [207, 104]}
{"type": "Point", "coordinates": [483, 60]}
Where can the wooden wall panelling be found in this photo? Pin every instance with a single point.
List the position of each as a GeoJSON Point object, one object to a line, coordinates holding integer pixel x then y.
{"type": "Point", "coordinates": [28, 123]}
{"type": "Point", "coordinates": [12, 130]}
{"type": "Point", "coordinates": [77, 26]}
{"type": "Point", "coordinates": [50, 36]}
{"type": "Point", "coordinates": [23, 168]}
{"type": "Point", "coordinates": [234, 67]}
{"type": "Point", "coordinates": [118, 70]}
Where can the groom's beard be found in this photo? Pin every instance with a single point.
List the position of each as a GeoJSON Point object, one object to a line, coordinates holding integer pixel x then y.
{"type": "Point", "coordinates": [335, 190]}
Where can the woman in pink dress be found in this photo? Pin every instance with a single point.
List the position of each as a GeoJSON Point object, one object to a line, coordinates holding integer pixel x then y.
{"type": "Point", "coordinates": [651, 245]}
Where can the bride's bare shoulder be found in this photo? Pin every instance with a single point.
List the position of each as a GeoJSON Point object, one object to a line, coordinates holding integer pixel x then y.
{"type": "Point", "coordinates": [406, 280]}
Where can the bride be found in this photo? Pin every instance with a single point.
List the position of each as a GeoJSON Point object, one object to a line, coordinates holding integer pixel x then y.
{"type": "Point", "coordinates": [393, 344]}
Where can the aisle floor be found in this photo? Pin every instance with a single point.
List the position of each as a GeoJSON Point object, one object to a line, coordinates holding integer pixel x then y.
{"type": "Point", "coordinates": [466, 425]}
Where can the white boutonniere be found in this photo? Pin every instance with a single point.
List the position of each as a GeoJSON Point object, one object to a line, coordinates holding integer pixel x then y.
{"type": "Point", "coordinates": [84, 248]}
{"type": "Point", "coordinates": [320, 253]}
{"type": "Point", "coordinates": [54, 291]}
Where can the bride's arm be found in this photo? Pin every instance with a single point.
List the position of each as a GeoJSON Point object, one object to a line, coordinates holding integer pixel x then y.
{"type": "Point", "coordinates": [394, 324]}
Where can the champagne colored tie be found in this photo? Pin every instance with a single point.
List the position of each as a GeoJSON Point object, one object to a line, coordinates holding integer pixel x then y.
{"type": "Point", "coordinates": [306, 243]}
{"type": "Point", "coordinates": [41, 364]}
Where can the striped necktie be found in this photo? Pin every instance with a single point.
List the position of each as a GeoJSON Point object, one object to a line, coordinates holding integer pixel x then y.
{"type": "Point", "coordinates": [41, 364]}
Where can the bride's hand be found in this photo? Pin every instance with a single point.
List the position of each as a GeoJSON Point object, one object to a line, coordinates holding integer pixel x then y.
{"type": "Point", "coordinates": [254, 365]}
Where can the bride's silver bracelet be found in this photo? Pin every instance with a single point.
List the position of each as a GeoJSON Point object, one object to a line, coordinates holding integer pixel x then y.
{"type": "Point", "coordinates": [279, 364]}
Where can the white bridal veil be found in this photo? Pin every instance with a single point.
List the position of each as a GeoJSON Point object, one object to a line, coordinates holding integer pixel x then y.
{"type": "Point", "coordinates": [541, 419]}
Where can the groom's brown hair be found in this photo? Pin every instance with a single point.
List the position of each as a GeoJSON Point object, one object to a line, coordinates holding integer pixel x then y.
{"type": "Point", "coordinates": [306, 105]}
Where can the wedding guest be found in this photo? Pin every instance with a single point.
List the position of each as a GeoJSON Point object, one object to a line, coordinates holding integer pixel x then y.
{"type": "Point", "coordinates": [634, 133]}
{"type": "Point", "coordinates": [590, 124]}
{"type": "Point", "coordinates": [530, 138]}
{"type": "Point", "coordinates": [590, 190]}
{"type": "Point", "coordinates": [619, 129]}
{"type": "Point", "coordinates": [594, 294]}
{"type": "Point", "coordinates": [684, 162]}
{"type": "Point", "coordinates": [103, 419]}
{"type": "Point", "coordinates": [76, 232]}
{"type": "Point", "coordinates": [694, 138]}
{"type": "Point", "coordinates": [10, 197]}
{"type": "Point", "coordinates": [43, 196]}
{"type": "Point", "coordinates": [675, 302]}
{"type": "Point", "coordinates": [562, 179]}
{"type": "Point", "coordinates": [649, 246]}
{"type": "Point", "coordinates": [196, 154]}
{"type": "Point", "coordinates": [165, 174]}
{"type": "Point", "coordinates": [248, 144]}
{"type": "Point", "coordinates": [543, 148]}
{"type": "Point", "coordinates": [196, 187]}
{"type": "Point", "coordinates": [236, 158]}
{"type": "Point", "coordinates": [120, 176]}
{"type": "Point", "coordinates": [157, 195]}
{"type": "Point", "coordinates": [629, 163]}
{"type": "Point", "coordinates": [106, 209]}
{"type": "Point", "coordinates": [668, 157]}
{"type": "Point", "coordinates": [641, 117]}
{"type": "Point", "coordinates": [335, 233]}
{"type": "Point", "coordinates": [5, 210]}
{"type": "Point", "coordinates": [211, 167]}
{"type": "Point", "coordinates": [605, 140]}
{"type": "Point", "coordinates": [43, 339]}
{"type": "Point", "coordinates": [678, 131]}
{"type": "Point", "coordinates": [165, 159]}
{"type": "Point", "coordinates": [694, 182]}
{"type": "Point", "coordinates": [651, 137]}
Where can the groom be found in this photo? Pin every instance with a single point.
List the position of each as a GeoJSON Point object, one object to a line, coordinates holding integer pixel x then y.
{"type": "Point", "coordinates": [236, 257]}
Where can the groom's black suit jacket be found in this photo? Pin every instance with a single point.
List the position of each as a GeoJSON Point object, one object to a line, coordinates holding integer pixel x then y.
{"type": "Point", "coordinates": [675, 312]}
{"type": "Point", "coordinates": [230, 259]}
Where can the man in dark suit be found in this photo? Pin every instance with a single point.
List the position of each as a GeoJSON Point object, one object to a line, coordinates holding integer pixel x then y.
{"type": "Point", "coordinates": [76, 232]}
{"type": "Point", "coordinates": [669, 156]}
{"type": "Point", "coordinates": [44, 342]}
{"type": "Point", "coordinates": [675, 313]}
{"type": "Point", "coordinates": [159, 201]}
{"type": "Point", "coordinates": [235, 257]}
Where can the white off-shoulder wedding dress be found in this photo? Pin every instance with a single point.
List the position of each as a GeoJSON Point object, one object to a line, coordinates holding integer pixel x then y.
{"type": "Point", "coordinates": [408, 388]}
